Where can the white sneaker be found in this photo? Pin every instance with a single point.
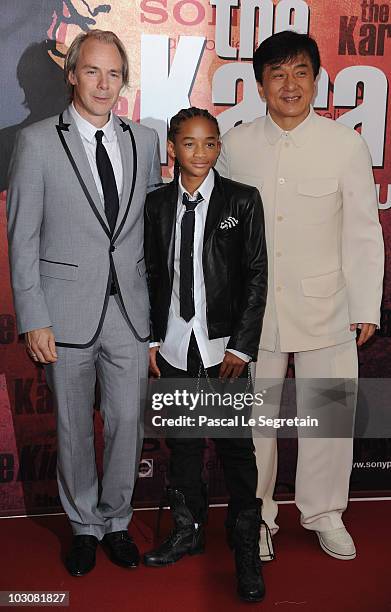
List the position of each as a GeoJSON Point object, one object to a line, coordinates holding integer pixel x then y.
{"type": "Point", "coordinates": [337, 543]}
{"type": "Point", "coordinates": [266, 550]}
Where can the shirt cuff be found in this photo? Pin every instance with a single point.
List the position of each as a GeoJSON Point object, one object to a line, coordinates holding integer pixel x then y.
{"type": "Point", "coordinates": [243, 356]}
{"type": "Point", "coordinates": [153, 344]}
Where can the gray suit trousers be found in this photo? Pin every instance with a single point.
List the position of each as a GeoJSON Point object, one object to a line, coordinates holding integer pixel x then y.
{"type": "Point", "coordinates": [120, 363]}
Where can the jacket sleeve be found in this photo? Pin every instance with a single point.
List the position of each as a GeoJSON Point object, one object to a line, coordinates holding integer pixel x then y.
{"type": "Point", "coordinates": [155, 176]}
{"type": "Point", "coordinates": [151, 263]}
{"type": "Point", "coordinates": [25, 216]}
{"type": "Point", "coordinates": [247, 332]}
{"type": "Point", "coordinates": [362, 239]}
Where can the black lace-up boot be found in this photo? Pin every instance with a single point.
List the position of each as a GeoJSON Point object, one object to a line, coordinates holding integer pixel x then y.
{"type": "Point", "coordinates": [245, 542]}
{"type": "Point", "coordinates": [187, 537]}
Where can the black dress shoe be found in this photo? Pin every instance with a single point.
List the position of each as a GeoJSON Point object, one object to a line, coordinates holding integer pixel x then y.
{"type": "Point", "coordinates": [123, 551]}
{"type": "Point", "coordinates": [81, 558]}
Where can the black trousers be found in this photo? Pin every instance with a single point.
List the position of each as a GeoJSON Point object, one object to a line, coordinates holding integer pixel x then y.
{"type": "Point", "coordinates": [186, 460]}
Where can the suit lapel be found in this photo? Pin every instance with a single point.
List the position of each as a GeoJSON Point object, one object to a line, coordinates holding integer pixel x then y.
{"type": "Point", "coordinates": [73, 146]}
{"type": "Point", "coordinates": [128, 149]}
{"type": "Point", "coordinates": [127, 163]}
{"type": "Point", "coordinates": [215, 208]}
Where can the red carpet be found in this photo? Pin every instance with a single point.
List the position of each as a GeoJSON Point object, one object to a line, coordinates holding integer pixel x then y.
{"type": "Point", "coordinates": [302, 578]}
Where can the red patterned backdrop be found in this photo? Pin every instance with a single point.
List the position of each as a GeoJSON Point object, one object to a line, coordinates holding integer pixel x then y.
{"type": "Point", "coordinates": [181, 52]}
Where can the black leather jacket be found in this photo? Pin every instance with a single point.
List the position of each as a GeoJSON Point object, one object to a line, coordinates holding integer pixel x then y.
{"type": "Point", "coordinates": [234, 262]}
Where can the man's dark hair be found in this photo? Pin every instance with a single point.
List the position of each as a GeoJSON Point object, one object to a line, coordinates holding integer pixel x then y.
{"type": "Point", "coordinates": [282, 48]}
{"type": "Point", "coordinates": [183, 115]}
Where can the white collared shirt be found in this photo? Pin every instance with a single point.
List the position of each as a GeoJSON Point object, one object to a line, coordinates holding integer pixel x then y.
{"type": "Point", "coordinates": [298, 135]}
{"type": "Point", "coordinates": [87, 133]}
{"type": "Point", "coordinates": [175, 346]}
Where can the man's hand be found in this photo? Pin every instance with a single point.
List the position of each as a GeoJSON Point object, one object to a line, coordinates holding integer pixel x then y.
{"type": "Point", "coordinates": [366, 331]}
{"type": "Point", "coordinates": [41, 345]}
{"type": "Point", "coordinates": [232, 366]}
{"type": "Point", "coordinates": [153, 369]}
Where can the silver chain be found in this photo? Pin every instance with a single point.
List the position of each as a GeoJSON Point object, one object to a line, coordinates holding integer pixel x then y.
{"type": "Point", "coordinates": [208, 380]}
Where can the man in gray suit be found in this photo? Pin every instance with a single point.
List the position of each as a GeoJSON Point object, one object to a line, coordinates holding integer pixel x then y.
{"type": "Point", "coordinates": [75, 219]}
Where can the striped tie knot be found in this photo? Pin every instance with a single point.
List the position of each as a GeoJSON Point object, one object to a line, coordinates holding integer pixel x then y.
{"type": "Point", "coordinates": [191, 204]}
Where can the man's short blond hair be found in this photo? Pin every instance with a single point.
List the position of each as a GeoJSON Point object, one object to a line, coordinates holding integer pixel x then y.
{"type": "Point", "coordinates": [104, 36]}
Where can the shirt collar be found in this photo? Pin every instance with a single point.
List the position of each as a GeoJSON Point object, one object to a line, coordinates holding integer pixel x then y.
{"type": "Point", "coordinates": [299, 135]}
{"type": "Point", "coordinates": [88, 131]}
{"type": "Point", "coordinates": [205, 189]}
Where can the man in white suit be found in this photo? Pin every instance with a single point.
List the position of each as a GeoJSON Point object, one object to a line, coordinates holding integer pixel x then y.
{"type": "Point", "coordinates": [326, 260]}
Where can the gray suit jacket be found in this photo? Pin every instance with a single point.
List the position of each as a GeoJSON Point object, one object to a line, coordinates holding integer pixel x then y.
{"type": "Point", "coordinates": [59, 240]}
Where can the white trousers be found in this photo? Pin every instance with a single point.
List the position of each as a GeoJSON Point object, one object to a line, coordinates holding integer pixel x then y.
{"type": "Point", "coordinates": [324, 464]}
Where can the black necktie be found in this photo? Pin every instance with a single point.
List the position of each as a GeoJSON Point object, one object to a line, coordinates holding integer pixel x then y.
{"type": "Point", "coordinates": [186, 277]}
{"type": "Point", "coordinates": [106, 174]}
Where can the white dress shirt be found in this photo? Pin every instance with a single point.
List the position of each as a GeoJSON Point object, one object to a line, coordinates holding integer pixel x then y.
{"type": "Point", "coordinates": [176, 343]}
{"type": "Point", "coordinates": [87, 133]}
